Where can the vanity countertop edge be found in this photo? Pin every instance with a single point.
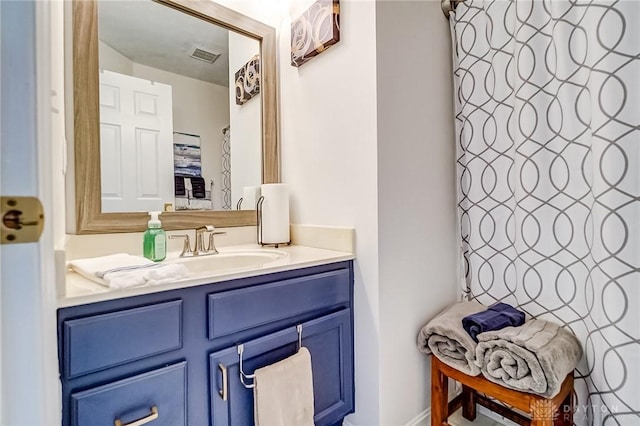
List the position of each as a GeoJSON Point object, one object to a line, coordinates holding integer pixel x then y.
{"type": "Point", "coordinates": [82, 291]}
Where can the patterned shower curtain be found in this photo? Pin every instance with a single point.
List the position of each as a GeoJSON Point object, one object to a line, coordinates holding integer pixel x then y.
{"type": "Point", "coordinates": [547, 119]}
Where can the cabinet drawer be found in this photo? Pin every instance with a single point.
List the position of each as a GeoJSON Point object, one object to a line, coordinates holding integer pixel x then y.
{"type": "Point", "coordinates": [135, 398]}
{"type": "Point", "coordinates": [238, 310]}
{"type": "Point", "coordinates": [101, 341]}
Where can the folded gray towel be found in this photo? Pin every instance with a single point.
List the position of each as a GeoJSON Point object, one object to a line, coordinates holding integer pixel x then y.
{"type": "Point", "coordinates": [535, 357]}
{"type": "Point", "coordinates": [445, 338]}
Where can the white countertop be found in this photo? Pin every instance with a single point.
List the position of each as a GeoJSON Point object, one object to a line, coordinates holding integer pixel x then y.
{"type": "Point", "coordinates": [80, 290]}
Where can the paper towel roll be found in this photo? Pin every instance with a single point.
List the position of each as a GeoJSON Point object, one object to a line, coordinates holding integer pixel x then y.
{"type": "Point", "coordinates": [275, 213]}
{"type": "Point", "coordinates": [250, 195]}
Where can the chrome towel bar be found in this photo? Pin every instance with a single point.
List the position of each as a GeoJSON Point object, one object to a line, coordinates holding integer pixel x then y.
{"type": "Point", "coordinates": [244, 377]}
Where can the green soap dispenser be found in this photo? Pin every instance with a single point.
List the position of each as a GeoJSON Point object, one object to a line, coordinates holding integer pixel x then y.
{"type": "Point", "coordinates": [155, 239]}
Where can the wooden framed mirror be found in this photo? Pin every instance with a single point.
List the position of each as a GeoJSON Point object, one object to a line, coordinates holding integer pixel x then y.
{"type": "Point", "coordinates": [90, 215]}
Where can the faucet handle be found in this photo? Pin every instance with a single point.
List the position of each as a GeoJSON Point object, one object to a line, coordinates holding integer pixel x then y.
{"type": "Point", "coordinates": [205, 228]}
{"type": "Point", "coordinates": [186, 248]}
{"type": "Point", "coordinates": [212, 246]}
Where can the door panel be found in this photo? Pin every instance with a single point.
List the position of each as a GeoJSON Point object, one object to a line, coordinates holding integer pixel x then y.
{"type": "Point", "coordinates": [329, 340]}
{"type": "Point", "coordinates": [149, 154]}
{"type": "Point", "coordinates": [110, 161]}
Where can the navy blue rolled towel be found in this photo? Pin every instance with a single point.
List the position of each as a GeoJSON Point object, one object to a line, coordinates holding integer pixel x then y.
{"type": "Point", "coordinates": [497, 316]}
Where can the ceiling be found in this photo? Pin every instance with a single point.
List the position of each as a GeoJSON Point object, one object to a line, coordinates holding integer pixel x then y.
{"type": "Point", "coordinates": [151, 34]}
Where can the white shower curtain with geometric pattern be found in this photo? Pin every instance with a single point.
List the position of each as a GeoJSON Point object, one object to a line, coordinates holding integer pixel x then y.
{"type": "Point", "coordinates": [548, 140]}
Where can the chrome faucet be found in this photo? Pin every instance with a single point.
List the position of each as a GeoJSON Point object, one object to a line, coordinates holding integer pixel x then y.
{"type": "Point", "coordinates": [211, 248]}
{"type": "Point", "coordinates": [200, 249]}
{"type": "Point", "coordinates": [186, 247]}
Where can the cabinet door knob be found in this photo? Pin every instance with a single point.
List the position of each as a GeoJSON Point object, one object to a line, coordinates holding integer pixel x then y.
{"type": "Point", "coordinates": [224, 391]}
{"type": "Point", "coordinates": [151, 417]}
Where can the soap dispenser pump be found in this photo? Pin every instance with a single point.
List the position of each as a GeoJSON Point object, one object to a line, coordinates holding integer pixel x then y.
{"type": "Point", "coordinates": [155, 239]}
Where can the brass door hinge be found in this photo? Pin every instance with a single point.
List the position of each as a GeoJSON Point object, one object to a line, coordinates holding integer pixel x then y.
{"type": "Point", "coordinates": [22, 219]}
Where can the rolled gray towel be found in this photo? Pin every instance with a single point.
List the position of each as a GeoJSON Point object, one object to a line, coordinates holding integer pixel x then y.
{"type": "Point", "coordinates": [445, 338]}
{"type": "Point", "coordinates": [535, 357]}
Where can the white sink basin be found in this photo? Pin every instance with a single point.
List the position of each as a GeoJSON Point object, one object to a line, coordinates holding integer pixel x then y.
{"type": "Point", "coordinates": [231, 259]}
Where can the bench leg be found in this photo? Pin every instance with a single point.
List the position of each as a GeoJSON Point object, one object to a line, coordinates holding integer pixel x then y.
{"type": "Point", "coordinates": [439, 396]}
{"type": "Point", "coordinates": [468, 403]}
{"type": "Point", "coordinates": [565, 412]}
{"type": "Point", "coordinates": [543, 412]}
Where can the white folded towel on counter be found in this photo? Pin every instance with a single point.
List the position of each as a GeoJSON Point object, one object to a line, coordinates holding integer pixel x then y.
{"type": "Point", "coordinates": [166, 273]}
{"type": "Point", "coordinates": [283, 395]}
{"type": "Point", "coordinates": [123, 270]}
{"type": "Point", "coordinates": [98, 267]}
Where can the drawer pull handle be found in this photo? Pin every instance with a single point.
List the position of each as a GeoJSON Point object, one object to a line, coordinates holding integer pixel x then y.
{"type": "Point", "coordinates": [225, 384]}
{"type": "Point", "coordinates": [151, 417]}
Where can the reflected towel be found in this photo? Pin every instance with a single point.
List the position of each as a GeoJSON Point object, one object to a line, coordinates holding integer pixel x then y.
{"type": "Point", "coordinates": [535, 357]}
{"type": "Point", "coordinates": [283, 395]}
{"type": "Point", "coordinates": [198, 189]}
{"type": "Point", "coordinates": [179, 187]}
{"type": "Point", "coordinates": [497, 316]}
{"type": "Point", "coordinates": [446, 339]}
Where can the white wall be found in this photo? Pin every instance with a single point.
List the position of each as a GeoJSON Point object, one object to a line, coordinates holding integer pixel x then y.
{"type": "Point", "coordinates": [246, 132]}
{"type": "Point", "coordinates": [112, 60]}
{"type": "Point", "coordinates": [328, 155]}
{"type": "Point", "coordinates": [416, 195]}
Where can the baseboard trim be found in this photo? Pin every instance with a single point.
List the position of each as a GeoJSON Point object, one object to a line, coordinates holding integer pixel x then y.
{"type": "Point", "coordinates": [494, 416]}
{"type": "Point", "coordinates": [422, 419]}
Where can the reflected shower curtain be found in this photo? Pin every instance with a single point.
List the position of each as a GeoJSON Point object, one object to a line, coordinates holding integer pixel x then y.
{"type": "Point", "coordinates": [226, 168]}
{"type": "Point", "coordinates": [547, 113]}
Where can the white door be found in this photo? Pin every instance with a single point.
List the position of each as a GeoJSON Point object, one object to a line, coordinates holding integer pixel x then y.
{"type": "Point", "coordinates": [136, 143]}
{"type": "Point", "coordinates": [29, 389]}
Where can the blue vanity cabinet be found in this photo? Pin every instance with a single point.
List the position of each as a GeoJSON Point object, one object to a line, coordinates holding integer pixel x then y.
{"type": "Point", "coordinates": [159, 357]}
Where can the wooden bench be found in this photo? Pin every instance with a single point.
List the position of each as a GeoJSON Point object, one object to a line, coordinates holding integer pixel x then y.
{"type": "Point", "coordinates": [557, 411]}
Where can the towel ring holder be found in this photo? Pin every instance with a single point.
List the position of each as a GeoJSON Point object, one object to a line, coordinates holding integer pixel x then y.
{"type": "Point", "coordinates": [244, 376]}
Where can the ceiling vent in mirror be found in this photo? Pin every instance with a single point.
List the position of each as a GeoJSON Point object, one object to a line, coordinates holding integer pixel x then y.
{"type": "Point", "coordinates": [204, 55]}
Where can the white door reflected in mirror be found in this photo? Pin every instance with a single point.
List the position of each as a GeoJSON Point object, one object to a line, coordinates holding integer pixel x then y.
{"type": "Point", "coordinates": [162, 47]}
{"type": "Point", "coordinates": [136, 132]}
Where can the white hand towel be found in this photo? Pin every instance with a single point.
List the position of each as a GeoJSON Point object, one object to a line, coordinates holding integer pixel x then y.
{"type": "Point", "coordinates": [283, 395]}
{"type": "Point", "coordinates": [95, 268]}
{"type": "Point", "coordinates": [124, 270]}
{"type": "Point", "coordinates": [124, 279]}
{"type": "Point", "coordinates": [166, 274]}
{"type": "Point", "coordinates": [158, 274]}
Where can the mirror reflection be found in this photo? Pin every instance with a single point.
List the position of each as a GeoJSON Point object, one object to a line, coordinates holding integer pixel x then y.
{"type": "Point", "coordinates": [180, 111]}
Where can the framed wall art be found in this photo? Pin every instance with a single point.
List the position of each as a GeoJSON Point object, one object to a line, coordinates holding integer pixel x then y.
{"type": "Point", "coordinates": [317, 29]}
{"type": "Point", "coordinates": [248, 80]}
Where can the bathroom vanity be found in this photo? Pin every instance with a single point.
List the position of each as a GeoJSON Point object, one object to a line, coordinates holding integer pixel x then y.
{"type": "Point", "coordinates": [172, 356]}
